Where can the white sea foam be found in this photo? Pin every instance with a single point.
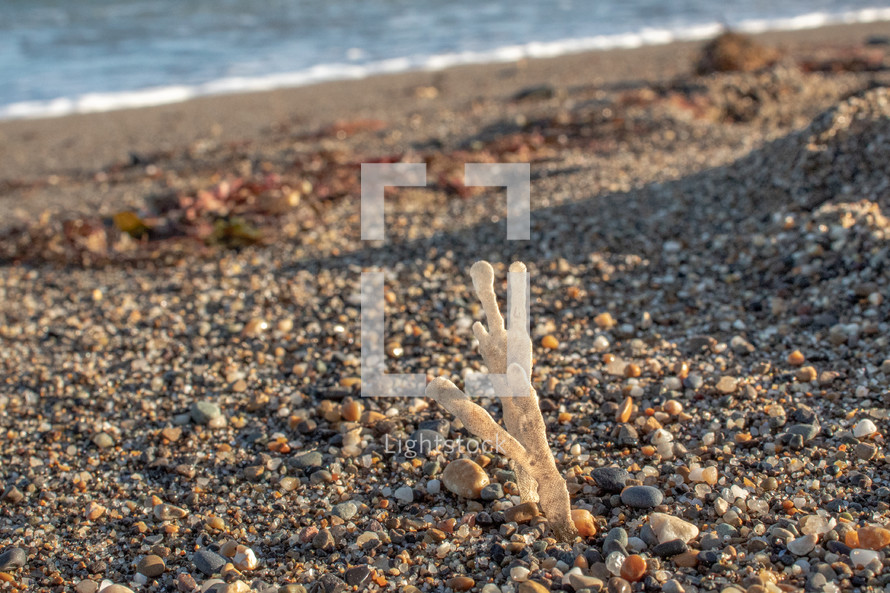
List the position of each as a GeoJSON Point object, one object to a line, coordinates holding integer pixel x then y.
{"type": "Point", "coordinates": [98, 102]}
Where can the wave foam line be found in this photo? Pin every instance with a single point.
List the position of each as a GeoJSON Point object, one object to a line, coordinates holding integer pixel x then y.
{"type": "Point", "coordinates": [100, 102]}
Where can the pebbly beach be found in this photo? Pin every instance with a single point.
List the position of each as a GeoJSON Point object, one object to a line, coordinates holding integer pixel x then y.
{"type": "Point", "coordinates": [180, 345]}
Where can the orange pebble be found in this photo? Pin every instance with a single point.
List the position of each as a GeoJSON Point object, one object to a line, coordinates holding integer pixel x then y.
{"type": "Point", "coordinates": [351, 410]}
{"type": "Point", "coordinates": [872, 537]}
{"type": "Point", "coordinates": [624, 410]}
{"type": "Point", "coordinates": [584, 522]}
{"type": "Point", "coordinates": [550, 342]}
{"type": "Point", "coordinates": [633, 568]}
{"type": "Point", "coordinates": [632, 370]}
{"type": "Point", "coordinates": [796, 358]}
{"type": "Point", "coordinates": [851, 538]}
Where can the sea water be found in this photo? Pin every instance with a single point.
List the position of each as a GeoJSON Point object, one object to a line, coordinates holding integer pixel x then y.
{"type": "Point", "coordinates": [60, 56]}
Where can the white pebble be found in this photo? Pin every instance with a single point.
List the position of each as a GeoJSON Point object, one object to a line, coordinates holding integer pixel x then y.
{"type": "Point", "coordinates": [864, 428]}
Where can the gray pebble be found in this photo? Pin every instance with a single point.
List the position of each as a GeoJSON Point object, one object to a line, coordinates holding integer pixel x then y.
{"type": "Point", "coordinates": [208, 562]}
{"type": "Point", "coordinates": [422, 441]}
{"type": "Point", "coordinates": [492, 492]}
{"type": "Point", "coordinates": [307, 460]}
{"type": "Point", "coordinates": [345, 510]}
{"type": "Point", "coordinates": [610, 479]}
{"type": "Point", "coordinates": [642, 497]}
{"type": "Point", "coordinates": [203, 412]}
{"type": "Point", "coordinates": [13, 558]}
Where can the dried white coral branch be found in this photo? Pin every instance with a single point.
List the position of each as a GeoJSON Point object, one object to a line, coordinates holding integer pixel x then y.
{"type": "Point", "coordinates": [525, 438]}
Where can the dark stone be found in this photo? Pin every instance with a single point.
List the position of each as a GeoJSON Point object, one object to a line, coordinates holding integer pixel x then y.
{"type": "Point", "coordinates": [422, 441]}
{"type": "Point", "coordinates": [839, 548]}
{"type": "Point", "coordinates": [610, 479]}
{"type": "Point", "coordinates": [208, 562]}
{"type": "Point", "coordinates": [328, 583]}
{"type": "Point", "coordinates": [440, 425]}
{"type": "Point", "coordinates": [358, 575]}
{"type": "Point", "coordinates": [539, 92]}
{"type": "Point", "coordinates": [670, 548]}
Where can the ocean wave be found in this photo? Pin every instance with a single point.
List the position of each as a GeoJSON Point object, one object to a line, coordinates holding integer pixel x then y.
{"type": "Point", "coordinates": [148, 97]}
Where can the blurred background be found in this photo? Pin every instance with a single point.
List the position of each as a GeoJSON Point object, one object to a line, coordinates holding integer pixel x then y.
{"type": "Point", "coordinates": [60, 57]}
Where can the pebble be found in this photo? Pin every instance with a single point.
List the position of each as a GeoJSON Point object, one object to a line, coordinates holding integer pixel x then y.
{"type": "Point", "coordinates": [351, 410]}
{"type": "Point", "coordinates": [405, 494]}
{"type": "Point", "coordinates": [610, 479]}
{"type": "Point", "coordinates": [522, 513]}
{"type": "Point", "coordinates": [803, 545]}
{"type": "Point", "coordinates": [13, 558]}
{"type": "Point", "coordinates": [633, 569]}
{"type": "Point", "coordinates": [465, 478]}
{"type": "Point", "coordinates": [308, 460]}
{"type": "Point", "coordinates": [864, 428]}
{"type": "Point", "coordinates": [461, 583]}
{"type": "Point", "coordinates": [491, 492]}
{"type": "Point", "coordinates": [103, 440]}
{"type": "Point", "coordinates": [345, 510]}
{"type": "Point", "coordinates": [672, 586]}
{"type": "Point", "coordinates": [584, 522]}
{"type": "Point", "coordinates": [618, 585]}
{"type": "Point", "coordinates": [208, 562]}
{"type": "Point", "coordinates": [796, 358]}
{"type": "Point", "coordinates": [531, 587]}
{"type": "Point", "coordinates": [151, 566]}
{"type": "Point", "coordinates": [324, 540]}
{"type": "Point", "coordinates": [862, 558]}
{"type": "Point", "coordinates": [424, 440]}
{"type": "Point", "coordinates": [86, 586]}
{"type": "Point", "coordinates": [642, 497]}
{"type": "Point", "coordinates": [245, 558]}
{"type": "Point", "coordinates": [865, 451]}
{"type": "Point", "coordinates": [727, 385]}
{"type": "Point", "coordinates": [168, 512]}
{"type": "Point", "coordinates": [202, 412]}
{"type": "Point", "coordinates": [576, 579]}
{"type": "Point", "coordinates": [358, 575]}
{"type": "Point", "coordinates": [670, 548]}
{"type": "Point", "coordinates": [624, 410]}
{"type": "Point", "coordinates": [873, 537]}
{"type": "Point", "coordinates": [549, 342]}
{"type": "Point", "coordinates": [116, 589]}
{"type": "Point", "coordinates": [667, 528]}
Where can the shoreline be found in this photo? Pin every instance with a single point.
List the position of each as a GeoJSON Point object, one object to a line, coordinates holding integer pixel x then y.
{"type": "Point", "coordinates": [87, 142]}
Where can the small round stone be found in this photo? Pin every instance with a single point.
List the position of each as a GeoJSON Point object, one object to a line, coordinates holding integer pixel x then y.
{"type": "Point", "coordinates": [672, 407]}
{"type": "Point", "coordinates": [550, 342]}
{"type": "Point", "coordinates": [642, 497]}
{"type": "Point", "coordinates": [13, 558]}
{"type": "Point", "coordinates": [796, 358]}
{"type": "Point", "coordinates": [151, 566]}
{"type": "Point", "coordinates": [461, 583]}
{"type": "Point", "coordinates": [584, 522]}
{"type": "Point", "coordinates": [634, 568]}
{"type": "Point", "coordinates": [864, 428]}
{"type": "Point", "coordinates": [618, 585]}
{"type": "Point", "coordinates": [465, 478]}
{"type": "Point", "coordinates": [351, 410]}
